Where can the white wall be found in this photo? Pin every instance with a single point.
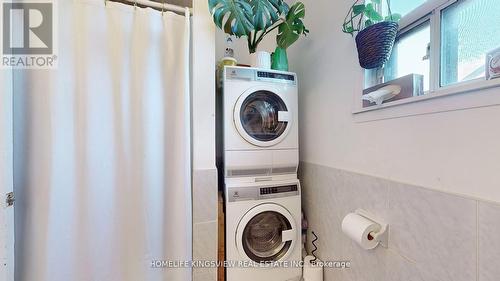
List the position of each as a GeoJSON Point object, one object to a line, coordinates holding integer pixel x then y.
{"type": "Point", "coordinates": [203, 87]}
{"type": "Point", "coordinates": [456, 151]}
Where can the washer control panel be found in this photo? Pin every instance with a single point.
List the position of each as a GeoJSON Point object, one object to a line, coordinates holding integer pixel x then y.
{"type": "Point", "coordinates": [235, 194]}
{"type": "Point", "coordinates": [278, 189]}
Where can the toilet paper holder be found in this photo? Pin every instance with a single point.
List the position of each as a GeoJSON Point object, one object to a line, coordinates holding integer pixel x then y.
{"type": "Point", "coordinates": [382, 236]}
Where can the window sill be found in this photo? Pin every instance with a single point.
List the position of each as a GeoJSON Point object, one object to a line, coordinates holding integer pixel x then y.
{"type": "Point", "coordinates": [449, 98]}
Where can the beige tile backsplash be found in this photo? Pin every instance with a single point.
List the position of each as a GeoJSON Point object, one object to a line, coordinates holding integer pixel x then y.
{"type": "Point", "coordinates": [433, 235]}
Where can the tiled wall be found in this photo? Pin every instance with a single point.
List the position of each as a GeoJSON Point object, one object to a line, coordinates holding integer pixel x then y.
{"type": "Point", "coordinates": [205, 222]}
{"type": "Point", "coordinates": [434, 236]}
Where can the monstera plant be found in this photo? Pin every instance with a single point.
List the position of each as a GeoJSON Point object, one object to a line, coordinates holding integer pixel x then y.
{"type": "Point", "coordinates": [255, 19]}
{"type": "Point", "coordinates": [288, 33]}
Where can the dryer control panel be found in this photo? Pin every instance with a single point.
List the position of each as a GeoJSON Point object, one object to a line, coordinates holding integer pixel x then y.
{"type": "Point", "coordinates": [273, 76]}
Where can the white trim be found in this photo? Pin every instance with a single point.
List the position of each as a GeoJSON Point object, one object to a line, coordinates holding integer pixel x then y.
{"type": "Point", "coordinates": [459, 88]}
{"type": "Point", "coordinates": [454, 97]}
{"type": "Point", "coordinates": [435, 58]}
{"type": "Point", "coordinates": [422, 11]}
{"type": "Point", "coordinates": [7, 238]}
{"type": "Point", "coordinates": [467, 86]}
{"type": "Point", "coordinates": [409, 28]}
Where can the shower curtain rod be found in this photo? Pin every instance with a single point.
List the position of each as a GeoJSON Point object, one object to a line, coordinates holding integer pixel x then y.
{"type": "Point", "coordinates": [156, 5]}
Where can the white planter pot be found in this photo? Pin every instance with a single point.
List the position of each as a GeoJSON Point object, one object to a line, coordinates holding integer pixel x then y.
{"type": "Point", "coordinates": [261, 60]}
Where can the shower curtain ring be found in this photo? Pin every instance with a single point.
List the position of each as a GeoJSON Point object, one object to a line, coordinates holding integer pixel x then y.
{"type": "Point", "coordinates": [162, 8]}
{"type": "Point", "coordinates": [135, 5]}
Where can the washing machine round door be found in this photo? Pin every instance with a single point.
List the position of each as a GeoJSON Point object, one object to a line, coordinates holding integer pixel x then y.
{"type": "Point", "coordinates": [262, 118]}
{"type": "Point", "coordinates": [266, 233]}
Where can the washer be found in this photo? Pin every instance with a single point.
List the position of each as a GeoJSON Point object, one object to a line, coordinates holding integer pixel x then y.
{"type": "Point", "coordinates": [263, 224]}
{"type": "Point", "coordinates": [259, 123]}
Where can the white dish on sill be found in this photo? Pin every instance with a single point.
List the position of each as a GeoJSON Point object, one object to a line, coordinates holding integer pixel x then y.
{"type": "Point", "coordinates": [383, 94]}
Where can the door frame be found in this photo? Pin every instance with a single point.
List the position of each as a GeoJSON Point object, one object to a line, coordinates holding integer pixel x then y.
{"type": "Point", "coordinates": [6, 177]}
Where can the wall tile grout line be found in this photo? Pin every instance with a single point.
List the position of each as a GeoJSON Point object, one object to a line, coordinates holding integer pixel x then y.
{"type": "Point", "coordinates": [409, 184]}
{"type": "Point", "coordinates": [205, 222]}
{"type": "Point", "coordinates": [394, 251]}
{"type": "Point", "coordinates": [477, 240]}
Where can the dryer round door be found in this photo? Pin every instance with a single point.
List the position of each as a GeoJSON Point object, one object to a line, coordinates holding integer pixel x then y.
{"type": "Point", "coordinates": [262, 118]}
{"type": "Point", "coordinates": [266, 233]}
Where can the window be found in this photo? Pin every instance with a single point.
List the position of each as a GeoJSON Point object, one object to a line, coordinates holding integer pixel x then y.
{"type": "Point", "coordinates": [445, 41]}
{"type": "Point", "coordinates": [411, 55]}
{"type": "Point", "coordinates": [469, 29]}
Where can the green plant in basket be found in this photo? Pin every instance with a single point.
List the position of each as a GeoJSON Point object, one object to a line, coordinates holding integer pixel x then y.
{"type": "Point", "coordinates": [363, 14]}
{"type": "Point", "coordinates": [375, 34]}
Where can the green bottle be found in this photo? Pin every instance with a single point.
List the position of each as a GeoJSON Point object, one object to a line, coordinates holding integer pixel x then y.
{"type": "Point", "coordinates": [279, 59]}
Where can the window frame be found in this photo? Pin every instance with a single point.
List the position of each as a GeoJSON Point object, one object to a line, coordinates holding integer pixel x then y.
{"type": "Point", "coordinates": [429, 11]}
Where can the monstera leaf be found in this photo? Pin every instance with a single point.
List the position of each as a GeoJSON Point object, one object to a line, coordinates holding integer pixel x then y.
{"type": "Point", "coordinates": [235, 17]}
{"type": "Point", "coordinates": [257, 18]}
{"type": "Point", "coordinates": [293, 27]}
{"type": "Point", "coordinates": [242, 17]}
{"type": "Point", "coordinates": [267, 12]}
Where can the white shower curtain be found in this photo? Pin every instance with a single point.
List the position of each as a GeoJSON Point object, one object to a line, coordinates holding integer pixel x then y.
{"type": "Point", "coordinates": [102, 149]}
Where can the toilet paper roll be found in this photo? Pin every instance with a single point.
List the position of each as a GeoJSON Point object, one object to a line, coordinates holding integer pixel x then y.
{"type": "Point", "coordinates": [358, 228]}
{"type": "Point", "coordinates": [312, 271]}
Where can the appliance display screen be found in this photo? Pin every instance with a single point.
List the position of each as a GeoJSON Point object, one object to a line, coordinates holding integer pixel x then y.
{"type": "Point", "coordinates": [279, 76]}
{"type": "Point", "coordinates": [278, 189]}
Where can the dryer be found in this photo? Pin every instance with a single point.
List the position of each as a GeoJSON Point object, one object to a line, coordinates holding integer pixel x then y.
{"type": "Point", "coordinates": [260, 123]}
{"type": "Point", "coordinates": [263, 225]}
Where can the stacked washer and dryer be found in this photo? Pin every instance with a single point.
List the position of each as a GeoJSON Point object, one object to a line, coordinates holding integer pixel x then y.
{"type": "Point", "coordinates": [259, 158]}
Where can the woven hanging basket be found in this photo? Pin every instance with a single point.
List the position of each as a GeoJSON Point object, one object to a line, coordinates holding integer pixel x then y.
{"type": "Point", "coordinates": [375, 44]}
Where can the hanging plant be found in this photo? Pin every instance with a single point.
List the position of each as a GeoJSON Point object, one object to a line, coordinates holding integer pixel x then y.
{"type": "Point", "coordinates": [375, 35]}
